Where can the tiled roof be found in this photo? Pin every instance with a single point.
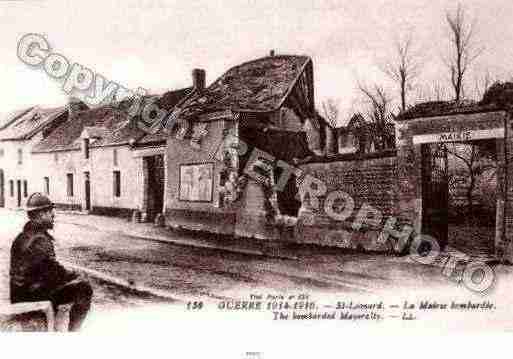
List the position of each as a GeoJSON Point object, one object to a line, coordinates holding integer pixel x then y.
{"type": "Point", "coordinates": [166, 102]}
{"type": "Point", "coordinates": [169, 99]}
{"type": "Point", "coordinates": [256, 86]}
{"type": "Point", "coordinates": [29, 123]}
{"type": "Point", "coordinates": [8, 118]}
{"type": "Point", "coordinates": [118, 127]}
{"type": "Point", "coordinates": [67, 136]}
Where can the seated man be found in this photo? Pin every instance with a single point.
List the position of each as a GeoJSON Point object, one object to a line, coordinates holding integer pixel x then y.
{"type": "Point", "coordinates": [35, 274]}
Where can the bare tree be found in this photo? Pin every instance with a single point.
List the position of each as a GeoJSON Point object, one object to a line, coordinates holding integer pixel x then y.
{"type": "Point", "coordinates": [403, 68]}
{"type": "Point", "coordinates": [378, 113]}
{"type": "Point", "coordinates": [378, 100]}
{"type": "Point", "coordinates": [464, 48]}
{"type": "Point", "coordinates": [478, 158]}
{"type": "Point", "coordinates": [330, 111]}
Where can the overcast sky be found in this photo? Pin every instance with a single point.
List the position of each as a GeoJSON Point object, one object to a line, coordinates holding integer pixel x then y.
{"type": "Point", "coordinates": [155, 43]}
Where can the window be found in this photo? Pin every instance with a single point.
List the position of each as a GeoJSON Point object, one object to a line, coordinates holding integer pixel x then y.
{"type": "Point", "coordinates": [86, 148]}
{"type": "Point", "coordinates": [117, 184]}
{"type": "Point", "coordinates": [115, 157]}
{"type": "Point", "coordinates": [25, 189]}
{"type": "Point", "coordinates": [2, 152]}
{"type": "Point", "coordinates": [11, 188]}
{"type": "Point", "coordinates": [47, 185]}
{"type": "Point", "coordinates": [20, 156]}
{"type": "Point", "coordinates": [70, 184]}
{"type": "Point", "coordinates": [56, 157]}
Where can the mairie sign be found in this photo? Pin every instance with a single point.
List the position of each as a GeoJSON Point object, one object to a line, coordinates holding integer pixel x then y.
{"type": "Point", "coordinates": [458, 136]}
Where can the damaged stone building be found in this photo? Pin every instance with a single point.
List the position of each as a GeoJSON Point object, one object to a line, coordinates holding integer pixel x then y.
{"type": "Point", "coordinates": [257, 119]}
{"type": "Point", "coordinates": [265, 105]}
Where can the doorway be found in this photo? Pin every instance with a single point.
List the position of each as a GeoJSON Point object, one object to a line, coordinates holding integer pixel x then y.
{"type": "Point", "coordinates": [87, 191]}
{"type": "Point", "coordinates": [459, 195]}
{"type": "Point", "coordinates": [435, 192]}
{"type": "Point", "coordinates": [155, 185]}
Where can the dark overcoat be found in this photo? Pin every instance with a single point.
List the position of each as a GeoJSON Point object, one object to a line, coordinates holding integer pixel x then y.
{"type": "Point", "coordinates": [35, 273]}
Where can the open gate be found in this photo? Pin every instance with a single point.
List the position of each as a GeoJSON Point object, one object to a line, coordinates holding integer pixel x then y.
{"type": "Point", "coordinates": [435, 192]}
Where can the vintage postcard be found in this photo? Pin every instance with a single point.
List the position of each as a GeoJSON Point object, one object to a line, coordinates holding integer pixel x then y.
{"type": "Point", "coordinates": [257, 168]}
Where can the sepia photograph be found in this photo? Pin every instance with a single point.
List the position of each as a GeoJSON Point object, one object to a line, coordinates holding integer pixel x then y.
{"type": "Point", "coordinates": [256, 168]}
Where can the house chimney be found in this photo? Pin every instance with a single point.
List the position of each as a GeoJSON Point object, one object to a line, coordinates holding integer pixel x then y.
{"type": "Point", "coordinates": [271, 53]}
{"type": "Point", "coordinates": [198, 79]}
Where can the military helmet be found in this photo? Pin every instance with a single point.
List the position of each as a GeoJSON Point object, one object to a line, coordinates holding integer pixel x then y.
{"type": "Point", "coordinates": [38, 201]}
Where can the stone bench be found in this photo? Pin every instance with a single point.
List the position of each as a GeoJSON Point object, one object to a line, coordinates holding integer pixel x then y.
{"type": "Point", "coordinates": [27, 317]}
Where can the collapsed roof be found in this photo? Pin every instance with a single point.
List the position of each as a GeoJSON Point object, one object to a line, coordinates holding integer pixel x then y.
{"type": "Point", "coordinates": [260, 85]}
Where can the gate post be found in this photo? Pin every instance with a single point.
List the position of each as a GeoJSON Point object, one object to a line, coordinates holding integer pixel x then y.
{"type": "Point", "coordinates": [499, 243]}
{"type": "Point", "coordinates": [504, 249]}
{"type": "Point", "coordinates": [409, 180]}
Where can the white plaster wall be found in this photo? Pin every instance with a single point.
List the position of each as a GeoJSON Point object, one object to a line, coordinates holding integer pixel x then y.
{"type": "Point", "coordinates": [100, 165]}
{"type": "Point", "coordinates": [102, 177]}
{"type": "Point", "coordinates": [14, 171]}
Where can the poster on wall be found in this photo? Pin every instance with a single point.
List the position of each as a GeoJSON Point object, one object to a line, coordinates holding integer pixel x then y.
{"type": "Point", "coordinates": [196, 182]}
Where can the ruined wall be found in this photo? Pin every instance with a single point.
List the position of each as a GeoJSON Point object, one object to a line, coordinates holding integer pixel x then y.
{"type": "Point", "coordinates": [368, 181]}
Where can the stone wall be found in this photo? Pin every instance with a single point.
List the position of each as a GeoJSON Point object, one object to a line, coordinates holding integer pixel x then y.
{"type": "Point", "coordinates": [368, 181]}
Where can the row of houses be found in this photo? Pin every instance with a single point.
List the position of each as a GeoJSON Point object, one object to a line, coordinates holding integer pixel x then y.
{"type": "Point", "coordinates": [193, 171]}
{"type": "Point", "coordinates": [99, 160]}
{"type": "Point", "coordinates": [87, 159]}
